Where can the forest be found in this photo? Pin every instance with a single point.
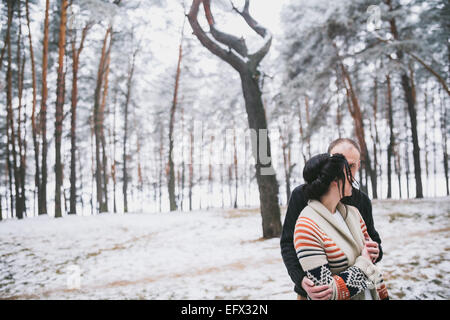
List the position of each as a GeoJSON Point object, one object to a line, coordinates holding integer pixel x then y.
{"type": "Point", "coordinates": [127, 106]}
{"type": "Point", "coordinates": [149, 149]}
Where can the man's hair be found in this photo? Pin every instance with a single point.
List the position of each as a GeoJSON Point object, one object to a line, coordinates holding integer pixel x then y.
{"type": "Point", "coordinates": [343, 140]}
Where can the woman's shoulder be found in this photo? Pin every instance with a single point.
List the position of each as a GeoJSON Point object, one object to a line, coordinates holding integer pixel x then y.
{"type": "Point", "coordinates": [308, 214]}
{"type": "Point", "coordinates": [353, 213]}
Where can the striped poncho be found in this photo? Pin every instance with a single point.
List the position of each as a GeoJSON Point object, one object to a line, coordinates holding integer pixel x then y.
{"type": "Point", "coordinates": [329, 255]}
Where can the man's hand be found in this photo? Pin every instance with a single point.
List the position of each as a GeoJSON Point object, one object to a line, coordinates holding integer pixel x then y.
{"type": "Point", "coordinates": [372, 249]}
{"type": "Point", "coordinates": [316, 292]}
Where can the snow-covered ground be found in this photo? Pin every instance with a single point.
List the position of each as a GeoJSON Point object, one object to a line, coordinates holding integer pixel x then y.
{"type": "Point", "coordinates": [208, 254]}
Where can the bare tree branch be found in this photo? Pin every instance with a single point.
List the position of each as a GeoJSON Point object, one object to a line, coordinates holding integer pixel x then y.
{"type": "Point", "coordinates": [238, 44]}
{"type": "Point", "coordinates": [235, 61]}
{"type": "Point", "coordinates": [255, 58]}
{"type": "Point", "coordinates": [245, 13]}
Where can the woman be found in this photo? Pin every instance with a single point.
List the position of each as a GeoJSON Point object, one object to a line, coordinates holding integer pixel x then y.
{"type": "Point", "coordinates": [330, 237]}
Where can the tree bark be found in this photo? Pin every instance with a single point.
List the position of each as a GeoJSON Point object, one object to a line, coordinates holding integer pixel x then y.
{"type": "Point", "coordinates": [286, 149]}
{"type": "Point", "coordinates": [302, 138]}
{"type": "Point", "coordinates": [171, 173]}
{"type": "Point", "coordinates": [265, 174]}
{"type": "Point", "coordinates": [114, 142]}
{"type": "Point", "coordinates": [427, 167]}
{"type": "Point", "coordinates": [409, 93]}
{"type": "Point", "coordinates": [21, 142]}
{"type": "Point", "coordinates": [11, 132]}
{"type": "Point", "coordinates": [183, 166]}
{"type": "Point", "coordinates": [235, 165]}
{"type": "Point", "coordinates": [60, 89]}
{"type": "Point", "coordinates": [104, 159]}
{"type": "Point", "coordinates": [125, 135]}
{"type": "Point", "coordinates": [34, 129]}
{"type": "Point", "coordinates": [73, 124]}
{"type": "Point", "coordinates": [191, 166]}
{"type": "Point", "coordinates": [444, 119]}
{"type": "Point", "coordinates": [398, 170]}
{"type": "Point", "coordinates": [375, 138]}
{"type": "Point", "coordinates": [98, 122]}
{"type": "Point", "coordinates": [406, 156]}
{"type": "Point", "coordinates": [390, 148]}
{"type": "Point", "coordinates": [355, 112]}
{"type": "Point", "coordinates": [308, 140]}
{"type": "Point", "coordinates": [42, 203]}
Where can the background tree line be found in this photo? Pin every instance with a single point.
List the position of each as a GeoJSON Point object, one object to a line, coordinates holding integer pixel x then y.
{"type": "Point", "coordinates": [99, 101]}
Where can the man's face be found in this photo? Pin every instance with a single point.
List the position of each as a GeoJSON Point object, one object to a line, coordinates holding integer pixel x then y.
{"type": "Point", "coordinates": [351, 154]}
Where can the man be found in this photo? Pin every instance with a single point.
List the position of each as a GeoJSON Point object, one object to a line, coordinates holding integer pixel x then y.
{"type": "Point", "coordinates": [304, 286]}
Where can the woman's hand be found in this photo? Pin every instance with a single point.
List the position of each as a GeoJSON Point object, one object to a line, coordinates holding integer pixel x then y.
{"type": "Point", "coordinates": [365, 253]}
{"type": "Point", "coordinates": [316, 292]}
{"type": "Point", "coordinates": [370, 250]}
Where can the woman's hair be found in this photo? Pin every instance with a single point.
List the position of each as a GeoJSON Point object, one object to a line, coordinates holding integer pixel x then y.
{"type": "Point", "coordinates": [321, 170]}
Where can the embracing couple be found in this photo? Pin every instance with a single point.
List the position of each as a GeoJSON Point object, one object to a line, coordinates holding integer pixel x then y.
{"type": "Point", "coordinates": [329, 244]}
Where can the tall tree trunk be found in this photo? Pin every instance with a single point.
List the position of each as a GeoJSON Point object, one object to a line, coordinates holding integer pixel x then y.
{"type": "Point", "coordinates": [91, 123]}
{"type": "Point", "coordinates": [444, 119]}
{"type": "Point", "coordinates": [42, 202]}
{"type": "Point", "coordinates": [10, 173]}
{"type": "Point", "coordinates": [11, 135]}
{"type": "Point", "coordinates": [222, 180]}
{"type": "Point", "coordinates": [356, 114]}
{"type": "Point", "coordinates": [10, 4]}
{"type": "Point", "coordinates": [410, 97]}
{"type": "Point", "coordinates": [60, 89]}
{"type": "Point", "coordinates": [114, 142]}
{"type": "Point", "coordinates": [265, 174]}
{"type": "Point", "coordinates": [34, 129]}
{"type": "Point", "coordinates": [104, 164]}
{"type": "Point", "coordinates": [398, 170]}
{"type": "Point", "coordinates": [235, 163]}
{"type": "Point", "coordinates": [191, 166]}
{"type": "Point", "coordinates": [409, 93]}
{"type": "Point", "coordinates": [125, 134]}
{"type": "Point", "coordinates": [171, 182]}
{"type": "Point", "coordinates": [374, 133]}
{"type": "Point", "coordinates": [7, 45]}
{"type": "Point", "coordinates": [302, 136]}
{"type": "Point", "coordinates": [390, 148]}
{"type": "Point", "coordinates": [73, 132]}
{"type": "Point", "coordinates": [21, 200]}
{"type": "Point", "coordinates": [286, 150]}
{"type": "Point", "coordinates": [161, 167]}
{"type": "Point", "coordinates": [250, 76]}
{"type": "Point", "coordinates": [308, 140]}
{"type": "Point", "coordinates": [434, 146]}
{"type": "Point", "coordinates": [339, 105]}
{"type": "Point", "coordinates": [73, 124]}
{"type": "Point", "coordinates": [98, 120]}
{"type": "Point", "coordinates": [230, 180]}
{"type": "Point", "coordinates": [183, 171]}
{"type": "Point", "coordinates": [427, 169]}
{"type": "Point", "coordinates": [406, 156]}
{"type": "Point", "coordinates": [80, 169]}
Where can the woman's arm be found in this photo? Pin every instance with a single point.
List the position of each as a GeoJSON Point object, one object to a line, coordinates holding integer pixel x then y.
{"type": "Point", "coordinates": [311, 246]}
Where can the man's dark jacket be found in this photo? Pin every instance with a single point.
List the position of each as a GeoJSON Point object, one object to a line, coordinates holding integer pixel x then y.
{"type": "Point", "coordinates": [297, 202]}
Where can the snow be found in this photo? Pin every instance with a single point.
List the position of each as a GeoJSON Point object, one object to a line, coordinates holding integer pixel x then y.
{"type": "Point", "coordinates": [204, 254]}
